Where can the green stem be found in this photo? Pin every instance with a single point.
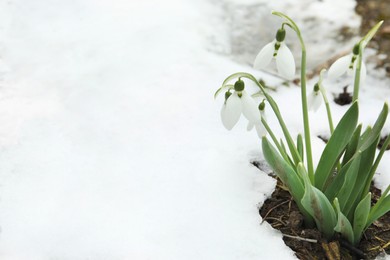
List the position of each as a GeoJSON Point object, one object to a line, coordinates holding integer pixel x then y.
{"type": "Point", "coordinates": [325, 98]}
{"type": "Point", "coordinates": [275, 140]}
{"type": "Point", "coordinates": [356, 84]}
{"type": "Point", "coordinates": [306, 124]}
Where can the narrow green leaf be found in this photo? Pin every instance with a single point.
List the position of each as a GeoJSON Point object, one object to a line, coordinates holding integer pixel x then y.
{"type": "Point", "coordinates": [318, 206]}
{"type": "Point", "coordinates": [380, 208]}
{"type": "Point", "coordinates": [360, 217]}
{"type": "Point", "coordinates": [376, 163]}
{"type": "Point", "coordinates": [376, 129]}
{"type": "Point", "coordinates": [352, 145]}
{"type": "Point", "coordinates": [349, 182]}
{"type": "Point", "coordinates": [286, 174]}
{"type": "Point", "coordinates": [336, 184]}
{"type": "Point", "coordinates": [336, 145]}
{"type": "Point", "coordinates": [343, 226]}
{"type": "Point", "coordinates": [367, 159]}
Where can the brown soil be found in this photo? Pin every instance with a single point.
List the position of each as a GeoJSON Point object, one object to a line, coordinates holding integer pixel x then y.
{"type": "Point", "coordinates": [281, 212]}
{"type": "Point", "coordinates": [344, 98]}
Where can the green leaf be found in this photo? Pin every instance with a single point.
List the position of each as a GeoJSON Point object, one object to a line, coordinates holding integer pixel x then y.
{"type": "Point", "coordinates": [343, 226]}
{"type": "Point", "coordinates": [380, 208]}
{"type": "Point", "coordinates": [352, 145]}
{"type": "Point", "coordinates": [286, 174]}
{"type": "Point", "coordinates": [318, 206]}
{"type": "Point", "coordinates": [360, 217]}
{"type": "Point", "coordinates": [362, 178]}
{"type": "Point", "coordinates": [376, 129]}
{"type": "Point", "coordinates": [376, 163]}
{"type": "Point", "coordinates": [349, 182]}
{"type": "Point", "coordinates": [336, 145]}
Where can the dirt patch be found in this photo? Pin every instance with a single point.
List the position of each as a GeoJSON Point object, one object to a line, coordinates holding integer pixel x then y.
{"type": "Point", "coordinates": [344, 98]}
{"type": "Point", "coordinates": [281, 212]}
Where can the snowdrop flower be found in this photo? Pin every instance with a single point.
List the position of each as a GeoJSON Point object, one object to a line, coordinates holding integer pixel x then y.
{"type": "Point", "coordinates": [314, 99]}
{"type": "Point", "coordinates": [277, 49]}
{"type": "Point", "coordinates": [237, 103]}
{"type": "Point", "coordinates": [347, 64]}
{"type": "Point", "coordinates": [260, 129]}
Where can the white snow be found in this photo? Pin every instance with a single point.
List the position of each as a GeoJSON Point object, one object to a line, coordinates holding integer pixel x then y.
{"type": "Point", "coordinates": [111, 142]}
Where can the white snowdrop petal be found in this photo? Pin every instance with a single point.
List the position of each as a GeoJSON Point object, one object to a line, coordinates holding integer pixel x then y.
{"type": "Point", "coordinates": [314, 101]}
{"type": "Point", "coordinates": [260, 129]}
{"type": "Point", "coordinates": [249, 108]}
{"type": "Point", "coordinates": [285, 62]}
{"type": "Point", "coordinates": [339, 67]}
{"type": "Point", "coordinates": [265, 56]}
{"type": "Point", "coordinates": [250, 126]}
{"type": "Point", "coordinates": [231, 111]}
{"type": "Point", "coordinates": [317, 102]}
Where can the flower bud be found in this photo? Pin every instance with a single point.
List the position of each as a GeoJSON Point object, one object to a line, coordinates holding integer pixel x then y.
{"type": "Point", "coordinates": [227, 95]}
{"type": "Point", "coordinates": [239, 85]}
{"type": "Point", "coordinates": [280, 35]}
{"type": "Point", "coordinates": [316, 87]}
{"type": "Point", "coordinates": [356, 49]}
{"type": "Point", "coordinates": [262, 106]}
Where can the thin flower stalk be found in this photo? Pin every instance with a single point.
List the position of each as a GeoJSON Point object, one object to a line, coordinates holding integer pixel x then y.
{"type": "Point", "coordinates": [306, 124]}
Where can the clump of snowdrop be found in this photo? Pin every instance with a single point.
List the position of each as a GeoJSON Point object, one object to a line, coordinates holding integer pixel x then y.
{"type": "Point", "coordinates": [278, 50]}
{"type": "Point", "coordinates": [334, 196]}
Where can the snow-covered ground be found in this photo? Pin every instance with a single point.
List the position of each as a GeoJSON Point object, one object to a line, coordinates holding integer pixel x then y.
{"type": "Point", "coordinates": [111, 145]}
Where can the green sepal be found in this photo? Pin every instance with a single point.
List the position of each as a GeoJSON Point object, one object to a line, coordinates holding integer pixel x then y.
{"type": "Point", "coordinates": [336, 145]}
{"type": "Point", "coordinates": [318, 206]}
{"type": "Point", "coordinates": [343, 226]}
{"type": "Point", "coordinates": [360, 217]}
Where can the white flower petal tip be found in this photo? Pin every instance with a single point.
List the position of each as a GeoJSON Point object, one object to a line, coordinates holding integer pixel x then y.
{"type": "Point", "coordinates": [231, 111]}
{"type": "Point", "coordinates": [314, 101]}
{"type": "Point", "coordinates": [261, 131]}
{"type": "Point", "coordinates": [265, 56]}
{"type": "Point", "coordinates": [249, 108]}
{"type": "Point", "coordinates": [339, 67]}
{"type": "Point", "coordinates": [285, 62]}
{"type": "Point", "coordinates": [250, 126]}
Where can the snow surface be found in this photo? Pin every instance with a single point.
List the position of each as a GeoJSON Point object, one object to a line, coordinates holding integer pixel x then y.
{"type": "Point", "coordinates": [112, 145]}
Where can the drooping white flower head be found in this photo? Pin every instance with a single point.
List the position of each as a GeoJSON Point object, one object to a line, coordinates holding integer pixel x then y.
{"type": "Point", "coordinates": [237, 103]}
{"type": "Point", "coordinates": [314, 100]}
{"type": "Point", "coordinates": [277, 49]}
{"type": "Point", "coordinates": [260, 129]}
{"type": "Point", "coordinates": [347, 64]}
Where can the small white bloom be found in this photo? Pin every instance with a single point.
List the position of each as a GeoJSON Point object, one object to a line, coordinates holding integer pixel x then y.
{"type": "Point", "coordinates": [277, 49]}
{"type": "Point", "coordinates": [239, 103]}
{"type": "Point", "coordinates": [314, 100]}
{"type": "Point", "coordinates": [347, 64]}
{"type": "Point", "coordinates": [260, 129]}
